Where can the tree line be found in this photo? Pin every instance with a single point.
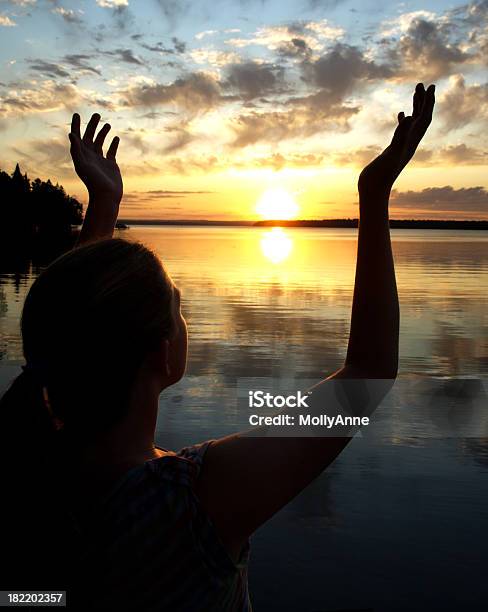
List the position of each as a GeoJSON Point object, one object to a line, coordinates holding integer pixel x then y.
{"type": "Point", "coordinates": [35, 209]}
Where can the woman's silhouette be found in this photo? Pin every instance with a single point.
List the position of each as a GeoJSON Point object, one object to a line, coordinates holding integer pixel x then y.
{"type": "Point", "coordinates": [91, 504]}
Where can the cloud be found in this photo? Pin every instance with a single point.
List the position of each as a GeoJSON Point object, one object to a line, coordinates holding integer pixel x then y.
{"type": "Point", "coordinates": [80, 61]}
{"type": "Point", "coordinates": [462, 154]}
{"type": "Point", "coordinates": [309, 118]}
{"type": "Point", "coordinates": [278, 161]}
{"type": "Point", "coordinates": [183, 137]}
{"type": "Point", "coordinates": [157, 48]}
{"type": "Point", "coordinates": [125, 55]}
{"type": "Point", "coordinates": [252, 79]}
{"type": "Point", "coordinates": [195, 92]}
{"type": "Point", "coordinates": [41, 97]}
{"type": "Point", "coordinates": [450, 155]}
{"type": "Point", "coordinates": [46, 157]}
{"type": "Point", "coordinates": [341, 69]}
{"type": "Point", "coordinates": [426, 49]}
{"type": "Point", "coordinates": [213, 57]}
{"type": "Point", "coordinates": [313, 33]}
{"type": "Point", "coordinates": [158, 194]}
{"type": "Point", "coordinates": [49, 69]}
{"type": "Point", "coordinates": [6, 22]}
{"type": "Point", "coordinates": [295, 48]}
{"type": "Point", "coordinates": [201, 35]}
{"type": "Point", "coordinates": [466, 200]}
{"type": "Point", "coordinates": [427, 46]}
{"type": "Point", "coordinates": [180, 46]}
{"type": "Point", "coordinates": [463, 104]}
{"type": "Point", "coordinates": [135, 140]}
{"type": "Point", "coordinates": [68, 15]}
{"type": "Point", "coordinates": [115, 4]}
{"type": "Point", "coordinates": [356, 157]}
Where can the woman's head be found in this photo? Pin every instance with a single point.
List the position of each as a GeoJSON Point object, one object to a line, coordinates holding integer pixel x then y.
{"type": "Point", "coordinates": [91, 320]}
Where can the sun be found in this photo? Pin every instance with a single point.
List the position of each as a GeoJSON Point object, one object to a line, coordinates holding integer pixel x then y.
{"type": "Point", "coordinates": [277, 203]}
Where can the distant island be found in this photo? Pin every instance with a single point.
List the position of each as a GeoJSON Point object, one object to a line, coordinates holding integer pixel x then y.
{"type": "Point", "coordinates": [447, 224]}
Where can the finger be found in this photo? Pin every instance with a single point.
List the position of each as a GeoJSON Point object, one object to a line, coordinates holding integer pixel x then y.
{"type": "Point", "coordinates": [90, 128]}
{"type": "Point", "coordinates": [99, 140]}
{"type": "Point", "coordinates": [401, 116]}
{"type": "Point", "coordinates": [112, 150]}
{"type": "Point", "coordinates": [427, 109]}
{"type": "Point", "coordinates": [401, 132]}
{"type": "Point", "coordinates": [418, 99]}
{"type": "Point", "coordinates": [75, 148]}
{"type": "Point", "coordinates": [75, 125]}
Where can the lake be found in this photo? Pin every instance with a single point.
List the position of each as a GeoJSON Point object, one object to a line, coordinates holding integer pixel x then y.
{"type": "Point", "coordinates": [399, 521]}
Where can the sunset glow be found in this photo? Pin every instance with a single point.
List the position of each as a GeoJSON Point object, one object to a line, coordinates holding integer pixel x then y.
{"type": "Point", "coordinates": [277, 203]}
{"type": "Point", "coordinates": [225, 111]}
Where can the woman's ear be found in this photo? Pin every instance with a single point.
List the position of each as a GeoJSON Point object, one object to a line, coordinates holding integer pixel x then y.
{"type": "Point", "coordinates": [160, 358]}
{"type": "Point", "coordinates": [167, 368]}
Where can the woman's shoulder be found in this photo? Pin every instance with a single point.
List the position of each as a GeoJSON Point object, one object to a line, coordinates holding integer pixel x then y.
{"type": "Point", "coordinates": [184, 464]}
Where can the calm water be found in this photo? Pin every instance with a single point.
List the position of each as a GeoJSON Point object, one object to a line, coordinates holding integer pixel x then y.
{"type": "Point", "coordinates": [395, 524]}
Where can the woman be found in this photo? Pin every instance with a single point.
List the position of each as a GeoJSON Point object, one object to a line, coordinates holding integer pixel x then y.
{"type": "Point", "coordinates": [94, 507]}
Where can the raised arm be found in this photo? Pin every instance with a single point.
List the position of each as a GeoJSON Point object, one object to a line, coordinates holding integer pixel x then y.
{"type": "Point", "coordinates": [246, 478]}
{"type": "Point", "coordinates": [373, 340]}
{"type": "Point", "coordinates": [101, 176]}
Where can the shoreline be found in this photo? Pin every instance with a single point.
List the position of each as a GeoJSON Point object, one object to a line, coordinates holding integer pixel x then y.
{"type": "Point", "coordinates": [447, 224]}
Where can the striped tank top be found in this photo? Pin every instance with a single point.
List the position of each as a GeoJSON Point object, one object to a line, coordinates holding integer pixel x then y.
{"type": "Point", "coordinates": [150, 546]}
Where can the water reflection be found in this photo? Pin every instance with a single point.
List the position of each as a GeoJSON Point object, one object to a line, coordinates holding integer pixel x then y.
{"type": "Point", "coordinates": [276, 245]}
{"type": "Point", "coordinates": [277, 303]}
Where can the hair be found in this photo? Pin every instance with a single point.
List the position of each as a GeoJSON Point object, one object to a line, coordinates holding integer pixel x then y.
{"type": "Point", "coordinates": [88, 322]}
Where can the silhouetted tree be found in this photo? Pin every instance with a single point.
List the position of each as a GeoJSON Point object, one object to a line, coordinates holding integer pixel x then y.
{"type": "Point", "coordinates": [38, 209]}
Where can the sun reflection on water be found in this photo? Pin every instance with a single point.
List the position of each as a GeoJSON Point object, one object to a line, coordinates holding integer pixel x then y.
{"type": "Point", "coordinates": [276, 245]}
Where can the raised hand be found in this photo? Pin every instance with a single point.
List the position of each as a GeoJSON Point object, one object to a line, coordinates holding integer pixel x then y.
{"type": "Point", "coordinates": [100, 174]}
{"type": "Point", "coordinates": [381, 173]}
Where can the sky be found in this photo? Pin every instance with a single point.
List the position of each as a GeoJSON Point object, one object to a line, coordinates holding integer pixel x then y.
{"type": "Point", "coordinates": [238, 109]}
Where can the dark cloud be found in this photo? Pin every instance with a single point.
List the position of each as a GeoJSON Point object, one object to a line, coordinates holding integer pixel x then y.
{"type": "Point", "coordinates": [125, 55]}
{"type": "Point", "coordinates": [179, 45]}
{"type": "Point", "coordinates": [195, 92]}
{"type": "Point", "coordinates": [341, 70]}
{"type": "Point", "coordinates": [427, 51]}
{"type": "Point", "coordinates": [80, 61]}
{"type": "Point", "coordinates": [158, 194]}
{"type": "Point", "coordinates": [49, 69]}
{"type": "Point", "coordinates": [307, 118]}
{"type": "Point", "coordinates": [158, 48]}
{"type": "Point", "coordinates": [252, 80]}
{"type": "Point", "coordinates": [469, 200]}
{"type": "Point", "coordinates": [295, 48]}
{"type": "Point", "coordinates": [462, 154]}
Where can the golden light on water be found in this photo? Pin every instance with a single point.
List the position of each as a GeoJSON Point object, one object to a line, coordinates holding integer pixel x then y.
{"type": "Point", "coordinates": [277, 203]}
{"type": "Point", "coordinates": [276, 245]}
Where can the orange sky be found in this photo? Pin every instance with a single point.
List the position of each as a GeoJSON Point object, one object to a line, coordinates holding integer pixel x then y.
{"type": "Point", "coordinates": [216, 108]}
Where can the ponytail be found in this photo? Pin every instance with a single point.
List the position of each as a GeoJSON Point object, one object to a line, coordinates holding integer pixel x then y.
{"type": "Point", "coordinates": [25, 422]}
